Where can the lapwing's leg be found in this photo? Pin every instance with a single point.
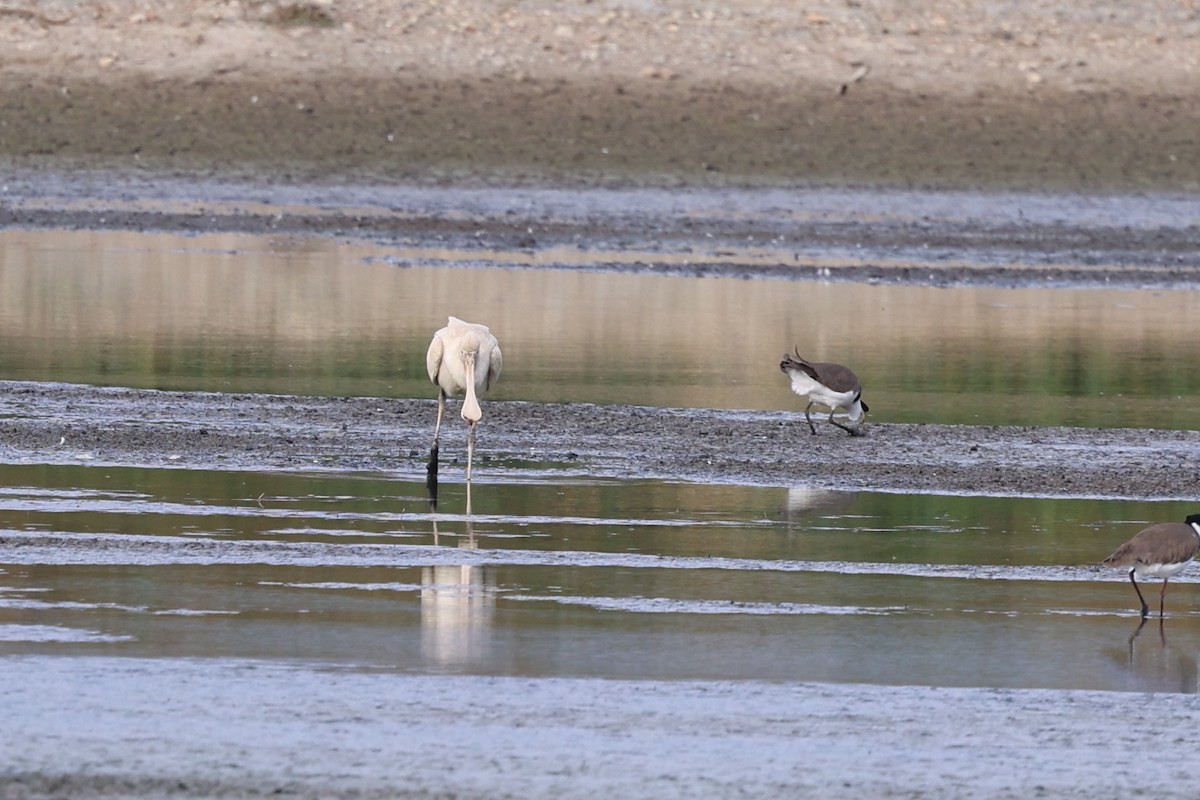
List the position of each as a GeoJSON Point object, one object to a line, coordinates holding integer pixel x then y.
{"type": "Point", "coordinates": [1138, 630]}
{"type": "Point", "coordinates": [846, 428]}
{"type": "Point", "coordinates": [1145, 608]}
{"type": "Point", "coordinates": [811, 427]}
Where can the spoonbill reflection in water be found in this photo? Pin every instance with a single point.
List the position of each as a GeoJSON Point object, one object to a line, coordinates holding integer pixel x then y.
{"type": "Point", "coordinates": [463, 358]}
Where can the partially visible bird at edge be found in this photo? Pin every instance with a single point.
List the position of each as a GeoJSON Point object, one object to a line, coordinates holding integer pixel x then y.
{"type": "Point", "coordinates": [826, 384]}
{"type": "Point", "coordinates": [464, 358]}
{"type": "Point", "coordinates": [1162, 550]}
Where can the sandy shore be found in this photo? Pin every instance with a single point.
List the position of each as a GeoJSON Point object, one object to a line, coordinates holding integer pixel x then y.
{"type": "Point", "coordinates": [1040, 95]}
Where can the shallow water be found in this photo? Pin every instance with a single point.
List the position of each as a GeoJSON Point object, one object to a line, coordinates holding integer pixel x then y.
{"type": "Point", "coordinates": [555, 577]}
{"type": "Point", "coordinates": [317, 315]}
{"type": "Point", "coordinates": [643, 579]}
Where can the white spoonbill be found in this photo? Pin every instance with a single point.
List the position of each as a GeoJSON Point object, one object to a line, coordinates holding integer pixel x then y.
{"type": "Point", "coordinates": [832, 385]}
{"type": "Point", "coordinates": [463, 358]}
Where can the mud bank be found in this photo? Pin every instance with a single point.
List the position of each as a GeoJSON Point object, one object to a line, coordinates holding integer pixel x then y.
{"type": "Point", "coordinates": [1048, 95]}
{"type": "Point", "coordinates": [105, 727]}
{"type": "Point", "coordinates": [57, 423]}
{"type": "Point", "coordinates": [928, 238]}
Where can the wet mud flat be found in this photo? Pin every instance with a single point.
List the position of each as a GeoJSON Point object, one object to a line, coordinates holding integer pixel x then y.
{"type": "Point", "coordinates": [961, 237]}
{"type": "Point", "coordinates": [105, 727]}
{"type": "Point", "coordinates": [64, 423]}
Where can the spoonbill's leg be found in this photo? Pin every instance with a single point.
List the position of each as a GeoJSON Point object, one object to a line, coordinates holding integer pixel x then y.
{"type": "Point", "coordinates": [470, 459]}
{"type": "Point", "coordinates": [431, 469]}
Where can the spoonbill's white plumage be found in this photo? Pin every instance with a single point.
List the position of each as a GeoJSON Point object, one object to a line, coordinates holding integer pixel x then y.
{"type": "Point", "coordinates": [464, 358]}
{"type": "Point", "coordinates": [1162, 551]}
{"type": "Point", "coordinates": [831, 385]}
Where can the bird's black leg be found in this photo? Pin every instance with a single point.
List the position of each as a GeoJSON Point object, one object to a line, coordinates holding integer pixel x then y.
{"type": "Point", "coordinates": [1137, 631]}
{"type": "Point", "coordinates": [1162, 598]}
{"type": "Point", "coordinates": [811, 427]}
{"type": "Point", "coordinates": [846, 428]}
{"type": "Point", "coordinates": [431, 469]}
{"type": "Point", "coordinates": [1145, 608]}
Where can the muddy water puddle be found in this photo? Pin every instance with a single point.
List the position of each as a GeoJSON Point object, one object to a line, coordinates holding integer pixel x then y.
{"type": "Point", "coordinates": [319, 315]}
{"type": "Point", "coordinates": [626, 579]}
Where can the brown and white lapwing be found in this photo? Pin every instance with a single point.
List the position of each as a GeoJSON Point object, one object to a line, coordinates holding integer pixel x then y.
{"type": "Point", "coordinates": [1159, 551]}
{"type": "Point", "coordinates": [831, 385]}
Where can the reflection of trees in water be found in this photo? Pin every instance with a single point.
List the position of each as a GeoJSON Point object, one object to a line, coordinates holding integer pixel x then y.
{"type": "Point", "coordinates": [1158, 665]}
{"type": "Point", "coordinates": [317, 315]}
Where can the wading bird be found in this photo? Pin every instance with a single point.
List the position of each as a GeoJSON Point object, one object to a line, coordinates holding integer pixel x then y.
{"type": "Point", "coordinates": [463, 358]}
{"type": "Point", "coordinates": [1160, 551]}
{"type": "Point", "coordinates": [831, 385]}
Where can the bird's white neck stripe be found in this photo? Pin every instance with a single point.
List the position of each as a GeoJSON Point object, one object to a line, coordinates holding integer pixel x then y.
{"type": "Point", "coordinates": [1196, 528]}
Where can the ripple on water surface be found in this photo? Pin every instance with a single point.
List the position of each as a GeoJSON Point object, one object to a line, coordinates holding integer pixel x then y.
{"type": "Point", "coordinates": [641, 579]}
